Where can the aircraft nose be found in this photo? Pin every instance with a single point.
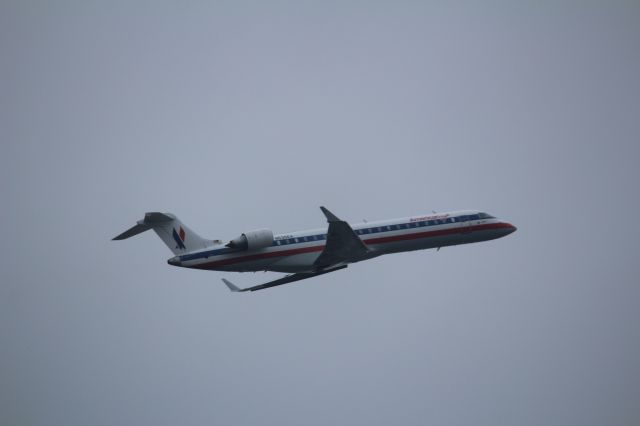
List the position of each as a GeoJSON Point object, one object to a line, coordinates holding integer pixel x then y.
{"type": "Point", "coordinates": [509, 228]}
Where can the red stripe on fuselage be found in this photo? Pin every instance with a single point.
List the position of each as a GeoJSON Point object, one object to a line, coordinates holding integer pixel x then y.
{"type": "Point", "coordinates": [260, 256]}
{"type": "Point", "coordinates": [379, 240]}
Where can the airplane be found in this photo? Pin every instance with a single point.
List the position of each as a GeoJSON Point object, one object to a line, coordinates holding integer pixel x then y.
{"type": "Point", "coordinates": [307, 254]}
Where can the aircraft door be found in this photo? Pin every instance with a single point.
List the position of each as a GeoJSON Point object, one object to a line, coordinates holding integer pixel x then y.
{"type": "Point", "coordinates": [465, 227]}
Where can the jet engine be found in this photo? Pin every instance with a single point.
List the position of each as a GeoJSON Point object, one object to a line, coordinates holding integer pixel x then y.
{"type": "Point", "coordinates": [252, 240]}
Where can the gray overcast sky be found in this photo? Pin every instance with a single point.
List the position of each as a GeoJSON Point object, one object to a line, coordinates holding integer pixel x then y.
{"type": "Point", "coordinates": [241, 115]}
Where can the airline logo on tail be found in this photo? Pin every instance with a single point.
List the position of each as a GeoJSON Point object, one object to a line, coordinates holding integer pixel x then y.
{"type": "Point", "coordinates": [179, 238]}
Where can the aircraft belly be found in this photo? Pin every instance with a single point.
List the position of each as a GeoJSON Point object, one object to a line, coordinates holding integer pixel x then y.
{"type": "Point", "coordinates": [295, 263]}
{"type": "Point", "coordinates": [400, 246]}
{"type": "Point", "coordinates": [487, 234]}
{"type": "Point", "coordinates": [427, 242]}
{"type": "Point", "coordinates": [252, 266]}
{"type": "Point", "coordinates": [298, 262]}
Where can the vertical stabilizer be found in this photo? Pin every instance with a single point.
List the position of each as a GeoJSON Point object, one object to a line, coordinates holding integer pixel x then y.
{"type": "Point", "coordinates": [176, 235]}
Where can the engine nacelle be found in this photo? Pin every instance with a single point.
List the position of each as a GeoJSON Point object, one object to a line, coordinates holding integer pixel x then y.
{"type": "Point", "coordinates": [252, 240]}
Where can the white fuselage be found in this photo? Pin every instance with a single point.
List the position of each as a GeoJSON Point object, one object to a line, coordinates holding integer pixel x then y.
{"type": "Point", "coordinates": [297, 251]}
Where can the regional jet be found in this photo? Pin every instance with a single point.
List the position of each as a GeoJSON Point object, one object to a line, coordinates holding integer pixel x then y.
{"type": "Point", "coordinates": [307, 254]}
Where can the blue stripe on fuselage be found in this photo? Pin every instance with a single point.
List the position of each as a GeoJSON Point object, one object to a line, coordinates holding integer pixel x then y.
{"type": "Point", "coordinates": [208, 253]}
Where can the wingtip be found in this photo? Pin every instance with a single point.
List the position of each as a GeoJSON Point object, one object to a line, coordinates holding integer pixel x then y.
{"type": "Point", "coordinates": [230, 285]}
{"type": "Point", "coordinates": [330, 216]}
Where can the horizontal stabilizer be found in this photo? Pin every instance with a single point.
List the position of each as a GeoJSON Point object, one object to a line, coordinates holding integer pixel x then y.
{"type": "Point", "coordinates": [156, 217]}
{"type": "Point", "coordinates": [139, 228]}
{"type": "Point", "coordinates": [175, 234]}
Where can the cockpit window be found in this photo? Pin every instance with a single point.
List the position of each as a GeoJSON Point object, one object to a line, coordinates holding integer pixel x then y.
{"type": "Point", "coordinates": [485, 216]}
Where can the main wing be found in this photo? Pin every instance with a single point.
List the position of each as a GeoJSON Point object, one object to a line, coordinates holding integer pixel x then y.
{"type": "Point", "coordinates": [343, 246]}
{"type": "Point", "coordinates": [285, 280]}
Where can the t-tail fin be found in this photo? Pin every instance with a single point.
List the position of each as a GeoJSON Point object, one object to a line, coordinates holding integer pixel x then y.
{"type": "Point", "coordinates": [176, 235]}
